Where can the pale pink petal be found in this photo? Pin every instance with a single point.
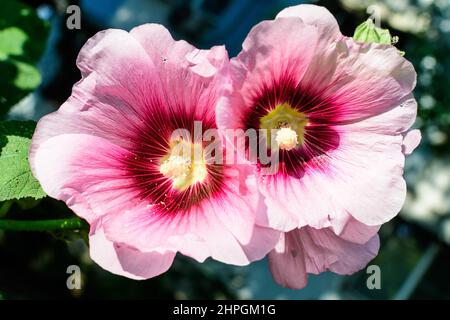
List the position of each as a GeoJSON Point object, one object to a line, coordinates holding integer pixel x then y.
{"type": "Point", "coordinates": [176, 57]}
{"type": "Point", "coordinates": [120, 87]}
{"type": "Point", "coordinates": [314, 15]}
{"type": "Point", "coordinates": [125, 261]}
{"type": "Point", "coordinates": [146, 230]}
{"type": "Point", "coordinates": [162, 49]}
{"type": "Point", "coordinates": [264, 58]}
{"type": "Point", "coordinates": [287, 265]}
{"type": "Point", "coordinates": [201, 236]}
{"type": "Point", "coordinates": [357, 232]}
{"type": "Point", "coordinates": [206, 62]}
{"type": "Point", "coordinates": [349, 81]}
{"type": "Point", "coordinates": [355, 81]}
{"type": "Point", "coordinates": [371, 167]}
{"type": "Point", "coordinates": [381, 79]}
{"type": "Point", "coordinates": [104, 54]}
{"type": "Point", "coordinates": [326, 251]}
{"type": "Point", "coordinates": [280, 214]}
{"type": "Point", "coordinates": [309, 250]}
{"type": "Point", "coordinates": [169, 54]}
{"type": "Point", "coordinates": [107, 102]}
{"type": "Point", "coordinates": [263, 240]}
{"type": "Point", "coordinates": [88, 176]}
{"type": "Point", "coordinates": [222, 228]}
{"type": "Point", "coordinates": [411, 140]}
{"type": "Point", "coordinates": [362, 178]}
{"type": "Point", "coordinates": [222, 244]}
{"type": "Point", "coordinates": [121, 83]}
{"type": "Point", "coordinates": [393, 121]}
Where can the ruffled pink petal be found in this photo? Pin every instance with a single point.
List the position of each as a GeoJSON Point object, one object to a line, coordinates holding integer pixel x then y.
{"type": "Point", "coordinates": [223, 228]}
{"type": "Point", "coordinates": [201, 236]}
{"type": "Point", "coordinates": [162, 49]}
{"type": "Point", "coordinates": [173, 57]}
{"type": "Point", "coordinates": [370, 79]}
{"type": "Point", "coordinates": [125, 261]}
{"type": "Point", "coordinates": [309, 250]}
{"type": "Point", "coordinates": [326, 251]}
{"type": "Point", "coordinates": [122, 84]}
{"type": "Point", "coordinates": [166, 53]}
{"type": "Point", "coordinates": [411, 140]}
{"type": "Point", "coordinates": [287, 265]}
{"type": "Point", "coordinates": [280, 215]}
{"type": "Point", "coordinates": [314, 15]}
{"type": "Point", "coordinates": [357, 232]}
{"type": "Point", "coordinates": [107, 102]}
{"type": "Point", "coordinates": [225, 247]}
{"type": "Point", "coordinates": [120, 87]}
{"type": "Point", "coordinates": [262, 241]}
{"type": "Point", "coordinates": [206, 63]}
{"type": "Point", "coordinates": [395, 121]}
{"type": "Point", "coordinates": [349, 81]}
{"type": "Point", "coordinates": [87, 113]}
{"type": "Point", "coordinates": [354, 81]}
{"type": "Point", "coordinates": [371, 167]}
{"type": "Point", "coordinates": [264, 58]}
{"type": "Point", "coordinates": [362, 179]}
{"type": "Point", "coordinates": [104, 55]}
{"type": "Point", "coordinates": [88, 176]}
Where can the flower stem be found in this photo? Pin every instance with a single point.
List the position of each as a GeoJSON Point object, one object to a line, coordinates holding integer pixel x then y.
{"type": "Point", "coordinates": [42, 225]}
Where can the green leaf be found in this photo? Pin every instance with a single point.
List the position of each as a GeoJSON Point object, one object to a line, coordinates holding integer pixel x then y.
{"type": "Point", "coordinates": [23, 37]}
{"type": "Point", "coordinates": [368, 32]}
{"type": "Point", "coordinates": [16, 179]}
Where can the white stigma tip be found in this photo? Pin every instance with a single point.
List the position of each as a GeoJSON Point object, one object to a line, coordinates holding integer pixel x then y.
{"type": "Point", "coordinates": [286, 139]}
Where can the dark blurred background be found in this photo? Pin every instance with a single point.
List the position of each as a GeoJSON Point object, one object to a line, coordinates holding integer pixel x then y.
{"type": "Point", "coordinates": [414, 258]}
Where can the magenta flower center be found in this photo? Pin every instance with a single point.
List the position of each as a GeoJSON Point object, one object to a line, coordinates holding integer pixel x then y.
{"type": "Point", "coordinates": [169, 175]}
{"type": "Point", "coordinates": [287, 125]}
{"type": "Point", "coordinates": [298, 119]}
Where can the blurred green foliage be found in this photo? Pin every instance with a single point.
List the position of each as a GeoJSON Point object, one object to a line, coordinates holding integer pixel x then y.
{"type": "Point", "coordinates": [16, 180]}
{"type": "Point", "coordinates": [23, 37]}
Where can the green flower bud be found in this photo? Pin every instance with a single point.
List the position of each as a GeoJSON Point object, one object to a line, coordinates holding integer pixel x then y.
{"type": "Point", "coordinates": [368, 32]}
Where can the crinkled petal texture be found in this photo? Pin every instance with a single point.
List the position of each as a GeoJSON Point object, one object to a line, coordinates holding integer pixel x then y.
{"type": "Point", "coordinates": [359, 108]}
{"type": "Point", "coordinates": [308, 250]}
{"type": "Point", "coordinates": [101, 151]}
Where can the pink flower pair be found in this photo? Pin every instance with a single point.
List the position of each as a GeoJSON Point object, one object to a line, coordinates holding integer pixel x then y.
{"type": "Point", "coordinates": [337, 113]}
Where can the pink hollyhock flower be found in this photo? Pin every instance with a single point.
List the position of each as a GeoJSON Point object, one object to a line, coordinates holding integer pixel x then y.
{"type": "Point", "coordinates": [108, 153]}
{"type": "Point", "coordinates": [342, 112]}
